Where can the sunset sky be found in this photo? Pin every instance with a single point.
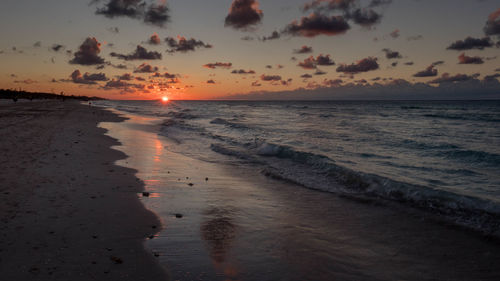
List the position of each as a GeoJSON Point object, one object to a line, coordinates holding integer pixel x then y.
{"type": "Point", "coordinates": [200, 49]}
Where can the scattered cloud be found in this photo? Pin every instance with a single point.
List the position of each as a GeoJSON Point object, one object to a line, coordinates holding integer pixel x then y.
{"type": "Point", "coordinates": [184, 45]}
{"type": "Point", "coordinates": [243, 14]}
{"type": "Point", "coordinates": [275, 35]}
{"type": "Point", "coordinates": [211, 81]}
{"type": "Point", "coordinates": [242, 71]}
{"type": "Point", "coordinates": [447, 78]}
{"type": "Point", "coordinates": [312, 62]}
{"type": "Point", "coordinates": [492, 26]}
{"type": "Point", "coordinates": [430, 71]}
{"type": "Point", "coordinates": [157, 15]}
{"type": "Point", "coordinates": [226, 65]}
{"type": "Point", "coordinates": [317, 24]}
{"type": "Point", "coordinates": [154, 39]}
{"type": "Point", "coordinates": [389, 54]}
{"type": "Point", "coordinates": [154, 14]}
{"type": "Point", "coordinates": [303, 50]}
{"type": "Point", "coordinates": [471, 43]}
{"type": "Point", "coordinates": [26, 81]}
{"type": "Point", "coordinates": [463, 59]}
{"type": "Point", "coordinates": [395, 34]}
{"type": "Point", "coordinates": [89, 79]}
{"type": "Point", "coordinates": [37, 44]}
{"type": "Point", "coordinates": [140, 53]}
{"type": "Point", "coordinates": [414, 38]}
{"type": "Point", "coordinates": [264, 77]}
{"type": "Point", "coordinates": [364, 65]}
{"type": "Point", "coordinates": [146, 68]}
{"type": "Point", "coordinates": [88, 53]}
{"type": "Point", "coordinates": [57, 47]}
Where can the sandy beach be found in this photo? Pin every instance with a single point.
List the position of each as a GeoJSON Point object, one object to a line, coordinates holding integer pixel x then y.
{"type": "Point", "coordinates": [67, 212]}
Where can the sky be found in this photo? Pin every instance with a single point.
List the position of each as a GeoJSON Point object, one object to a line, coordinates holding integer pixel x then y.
{"type": "Point", "coordinates": [249, 49]}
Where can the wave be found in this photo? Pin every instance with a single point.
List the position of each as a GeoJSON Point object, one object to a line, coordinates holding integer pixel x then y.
{"type": "Point", "coordinates": [466, 117]}
{"type": "Point", "coordinates": [480, 157]}
{"type": "Point", "coordinates": [231, 124]}
{"type": "Point", "coordinates": [322, 173]}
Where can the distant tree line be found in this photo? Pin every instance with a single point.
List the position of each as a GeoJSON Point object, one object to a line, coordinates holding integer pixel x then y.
{"type": "Point", "coordinates": [20, 94]}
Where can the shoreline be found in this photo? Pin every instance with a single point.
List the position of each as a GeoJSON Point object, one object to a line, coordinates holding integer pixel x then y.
{"type": "Point", "coordinates": [69, 212]}
{"type": "Point", "coordinates": [241, 225]}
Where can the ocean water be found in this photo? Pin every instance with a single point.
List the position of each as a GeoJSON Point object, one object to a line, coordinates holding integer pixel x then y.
{"type": "Point", "coordinates": [441, 157]}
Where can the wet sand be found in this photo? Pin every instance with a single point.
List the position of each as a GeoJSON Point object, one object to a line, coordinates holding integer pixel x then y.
{"type": "Point", "coordinates": [241, 225]}
{"type": "Point", "coordinates": [68, 212]}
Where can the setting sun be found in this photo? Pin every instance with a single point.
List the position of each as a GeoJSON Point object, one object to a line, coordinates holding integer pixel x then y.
{"type": "Point", "coordinates": [164, 99]}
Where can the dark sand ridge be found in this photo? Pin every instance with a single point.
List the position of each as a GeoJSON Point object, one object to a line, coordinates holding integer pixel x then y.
{"type": "Point", "coordinates": [67, 212]}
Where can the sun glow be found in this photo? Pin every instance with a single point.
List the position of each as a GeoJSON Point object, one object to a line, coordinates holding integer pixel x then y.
{"type": "Point", "coordinates": [164, 99]}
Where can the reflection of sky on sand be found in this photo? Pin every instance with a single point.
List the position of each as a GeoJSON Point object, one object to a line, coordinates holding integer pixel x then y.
{"type": "Point", "coordinates": [240, 225]}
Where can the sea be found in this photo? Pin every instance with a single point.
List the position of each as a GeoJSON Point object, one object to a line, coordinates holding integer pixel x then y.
{"type": "Point", "coordinates": [439, 157]}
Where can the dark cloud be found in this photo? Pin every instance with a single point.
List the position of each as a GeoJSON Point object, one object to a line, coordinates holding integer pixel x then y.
{"type": "Point", "coordinates": [243, 14]}
{"type": "Point", "coordinates": [312, 63]}
{"type": "Point", "coordinates": [264, 77]}
{"type": "Point", "coordinates": [409, 63]}
{"type": "Point", "coordinates": [391, 54]}
{"type": "Point", "coordinates": [88, 53]}
{"type": "Point", "coordinates": [26, 81]}
{"type": "Point", "coordinates": [329, 5]}
{"type": "Point", "coordinates": [154, 39]}
{"type": "Point", "coordinates": [126, 77]}
{"type": "Point", "coordinates": [430, 71]}
{"type": "Point", "coordinates": [57, 47]}
{"type": "Point", "coordinates": [394, 34]}
{"type": "Point", "coordinates": [140, 53]}
{"type": "Point", "coordinates": [275, 35]}
{"type": "Point", "coordinates": [364, 65]}
{"type": "Point", "coordinates": [185, 45]}
{"type": "Point", "coordinates": [226, 65]}
{"type": "Point", "coordinates": [303, 50]}
{"type": "Point", "coordinates": [210, 81]}
{"type": "Point", "coordinates": [306, 76]}
{"type": "Point", "coordinates": [87, 78]}
{"type": "Point", "coordinates": [332, 82]}
{"type": "Point", "coordinates": [37, 44]}
{"type": "Point", "coordinates": [269, 66]}
{"type": "Point", "coordinates": [157, 15]}
{"type": "Point", "coordinates": [153, 14]}
{"type": "Point", "coordinates": [242, 71]}
{"type": "Point", "coordinates": [377, 3]}
{"type": "Point", "coordinates": [247, 38]}
{"type": "Point", "coordinates": [317, 24]}
{"type": "Point", "coordinates": [471, 43]}
{"type": "Point", "coordinates": [492, 26]}
{"type": "Point", "coordinates": [447, 78]}
{"type": "Point", "coordinates": [166, 75]}
{"type": "Point", "coordinates": [491, 77]}
{"type": "Point", "coordinates": [146, 68]}
{"type": "Point", "coordinates": [463, 59]}
{"type": "Point", "coordinates": [256, 84]}
{"type": "Point", "coordinates": [394, 64]}
{"type": "Point", "coordinates": [439, 62]}
{"type": "Point", "coordinates": [365, 17]}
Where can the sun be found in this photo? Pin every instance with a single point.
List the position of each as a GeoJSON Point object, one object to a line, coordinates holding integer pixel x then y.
{"type": "Point", "coordinates": [164, 99]}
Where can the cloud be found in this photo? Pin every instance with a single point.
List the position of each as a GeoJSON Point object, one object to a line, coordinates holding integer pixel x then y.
{"type": "Point", "coordinates": [89, 79]}
{"type": "Point", "coordinates": [471, 43]}
{"type": "Point", "coordinates": [242, 71]}
{"type": "Point", "coordinates": [303, 50]}
{"type": "Point", "coordinates": [185, 45]}
{"type": "Point", "coordinates": [126, 77]}
{"type": "Point", "coordinates": [166, 75]}
{"type": "Point", "coordinates": [430, 71]}
{"type": "Point", "coordinates": [264, 77]}
{"type": "Point", "coordinates": [146, 68]}
{"type": "Point", "coordinates": [256, 84]}
{"type": "Point", "coordinates": [317, 24]}
{"type": "Point", "coordinates": [312, 63]}
{"type": "Point", "coordinates": [153, 14]}
{"type": "Point", "coordinates": [332, 82]}
{"type": "Point", "coordinates": [154, 39]}
{"type": "Point", "coordinates": [226, 65]}
{"type": "Point", "coordinates": [409, 63]}
{"type": "Point", "coordinates": [243, 14]}
{"type": "Point", "coordinates": [88, 53]}
{"type": "Point", "coordinates": [275, 35]}
{"type": "Point", "coordinates": [140, 53]}
{"type": "Point", "coordinates": [364, 65]}
{"type": "Point", "coordinates": [157, 15]}
{"type": "Point", "coordinates": [391, 54]}
{"type": "Point", "coordinates": [447, 78]}
{"type": "Point", "coordinates": [37, 44]}
{"type": "Point", "coordinates": [211, 81]}
{"type": "Point", "coordinates": [115, 30]}
{"type": "Point", "coordinates": [329, 5]}
{"type": "Point", "coordinates": [57, 47]}
{"type": "Point", "coordinates": [463, 59]}
{"type": "Point", "coordinates": [365, 17]}
{"type": "Point", "coordinates": [394, 34]}
{"type": "Point", "coordinates": [247, 38]}
{"type": "Point", "coordinates": [319, 72]}
{"type": "Point", "coordinates": [492, 77]}
{"type": "Point", "coordinates": [306, 76]}
{"type": "Point", "coordinates": [492, 26]}
{"type": "Point", "coordinates": [26, 81]}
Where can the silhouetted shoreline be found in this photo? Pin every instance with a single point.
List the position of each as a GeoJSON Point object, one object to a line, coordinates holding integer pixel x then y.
{"type": "Point", "coordinates": [16, 95]}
